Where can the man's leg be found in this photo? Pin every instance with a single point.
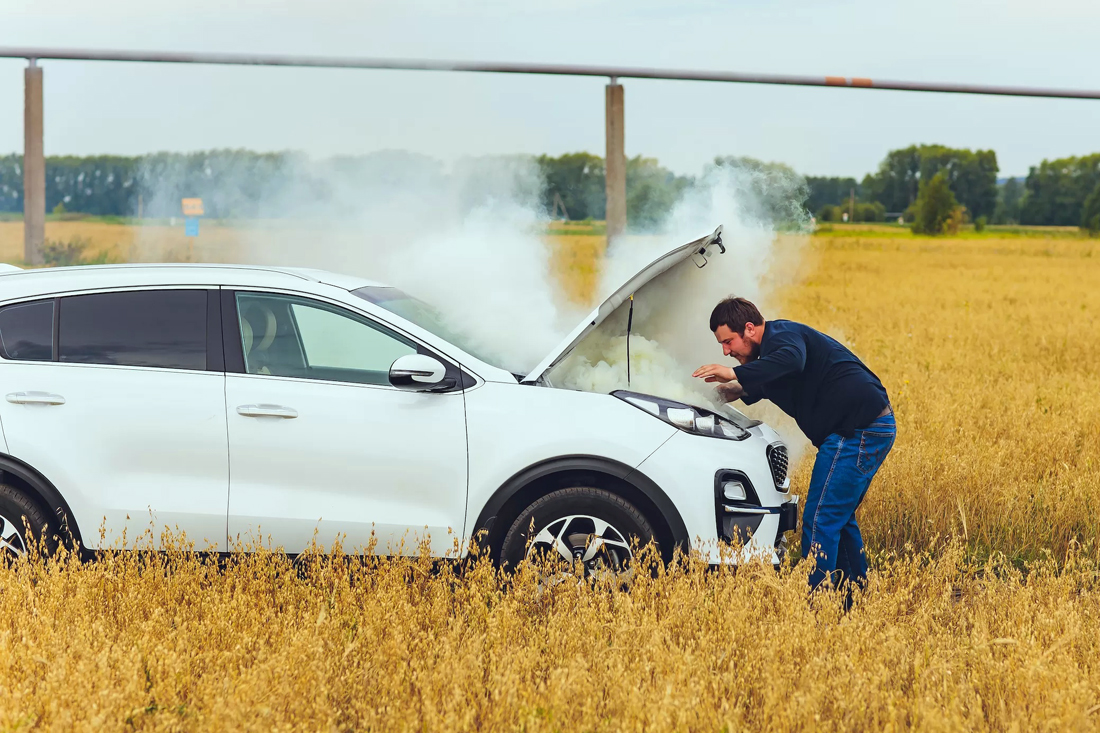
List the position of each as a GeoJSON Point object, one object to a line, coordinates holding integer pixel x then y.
{"type": "Point", "coordinates": [875, 443]}
{"type": "Point", "coordinates": [853, 553]}
{"type": "Point", "coordinates": [851, 563]}
{"type": "Point", "coordinates": [831, 500]}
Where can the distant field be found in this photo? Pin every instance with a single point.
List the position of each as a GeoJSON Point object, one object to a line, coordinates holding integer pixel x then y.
{"type": "Point", "coordinates": [982, 612]}
{"type": "Point", "coordinates": [121, 242]}
{"type": "Point", "coordinates": [158, 240]}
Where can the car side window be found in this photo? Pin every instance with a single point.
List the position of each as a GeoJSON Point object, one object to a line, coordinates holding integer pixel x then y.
{"type": "Point", "coordinates": [26, 331]}
{"type": "Point", "coordinates": [288, 336]}
{"type": "Point", "coordinates": [146, 328]}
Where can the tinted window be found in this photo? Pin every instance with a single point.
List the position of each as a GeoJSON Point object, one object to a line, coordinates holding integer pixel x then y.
{"type": "Point", "coordinates": [26, 331]}
{"type": "Point", "coordinates": [155, 328]}
{"type": "Point", "coordinates": [294, 337]}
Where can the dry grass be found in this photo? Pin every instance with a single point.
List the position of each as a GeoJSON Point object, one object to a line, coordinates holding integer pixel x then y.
{"type": "Point", "coordinates": [151, 243]}
{"type": "Point", "coordinates": [171, 642]}
{"type": "Point", "coordinates": [988, 348]}
{"type": "Point", "coordinates": [983, 611]}
{"type": "Point", "coordinates": [576, 260]}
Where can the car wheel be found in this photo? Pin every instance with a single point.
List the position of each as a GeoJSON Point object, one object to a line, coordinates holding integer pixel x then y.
{"type": "Point", "coordinates": [15, 506]}
{"type": "Point", "coordinates": [578, 524]}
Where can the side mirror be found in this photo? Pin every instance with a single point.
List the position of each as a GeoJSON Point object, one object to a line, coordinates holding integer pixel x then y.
{"type": "Point", "coordinates": [417, 372]}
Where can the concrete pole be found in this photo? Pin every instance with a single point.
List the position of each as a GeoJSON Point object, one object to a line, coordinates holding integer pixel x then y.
{"type": "Point", "coordinates": [34, 167]}
{"type": "Point", "coordinates": [615, 164]}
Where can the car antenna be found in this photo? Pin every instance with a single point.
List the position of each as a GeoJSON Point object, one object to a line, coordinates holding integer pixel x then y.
{"type": "Point", "coordinates": [629, 323]}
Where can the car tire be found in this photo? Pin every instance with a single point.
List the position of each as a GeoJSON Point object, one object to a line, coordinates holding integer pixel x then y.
{"type": "Point", "coordinates": [572, 520]}
{"type": "Point", "coordinates": [18, 514]}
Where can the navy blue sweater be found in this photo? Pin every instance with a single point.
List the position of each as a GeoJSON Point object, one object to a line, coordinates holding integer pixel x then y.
{"type": "Point", "coordinates": [814, 379]}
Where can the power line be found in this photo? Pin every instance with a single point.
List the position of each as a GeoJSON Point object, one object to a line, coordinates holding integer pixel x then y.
{"type": "Point", "coordinates": [623, 72]}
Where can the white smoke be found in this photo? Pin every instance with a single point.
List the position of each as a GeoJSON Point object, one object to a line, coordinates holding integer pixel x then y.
{"type": "Point", "coordinates": [673, 311]}
{"type": "Point", "coordinates": [670, 332]}
{"type": "Point", "coordinates": [470, 241]}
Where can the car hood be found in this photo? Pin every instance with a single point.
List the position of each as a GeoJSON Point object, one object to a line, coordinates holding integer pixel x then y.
{"type": "Point", "coordinates": [699, 250]}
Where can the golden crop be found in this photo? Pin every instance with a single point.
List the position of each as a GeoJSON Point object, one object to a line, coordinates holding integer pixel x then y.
{"type": "Point", "coordinates": [983, 610]}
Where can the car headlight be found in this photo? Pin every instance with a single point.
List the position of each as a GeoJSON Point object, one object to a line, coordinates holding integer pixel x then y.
{"type": "Point", "coordinates": [688, 418]}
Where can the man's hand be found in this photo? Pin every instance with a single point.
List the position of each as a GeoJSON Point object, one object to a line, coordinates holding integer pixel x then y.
{"type": "Point", "coordinates": [731, 391]}
{"type": "Point", "coordinates": [715, 373]}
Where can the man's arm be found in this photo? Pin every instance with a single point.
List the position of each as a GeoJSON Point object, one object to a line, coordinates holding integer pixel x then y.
{"type": "Point", "coordinates": [731, 391]}
{"type": "Point", "coordinates": [788, 358]}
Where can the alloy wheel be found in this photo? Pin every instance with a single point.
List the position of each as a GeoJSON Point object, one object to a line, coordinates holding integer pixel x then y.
{"type": "Point", "coordinates": [601, 548]}
{"type": "Point", "coordinates": [11, 541]}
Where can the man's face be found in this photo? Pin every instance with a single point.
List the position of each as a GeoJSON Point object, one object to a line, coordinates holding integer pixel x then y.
{"type": "Point", "coordinates": [742, 348]}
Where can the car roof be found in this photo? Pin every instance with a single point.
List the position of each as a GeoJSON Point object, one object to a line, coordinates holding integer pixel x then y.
{"type": "Point", "coordinates": [23, 283]}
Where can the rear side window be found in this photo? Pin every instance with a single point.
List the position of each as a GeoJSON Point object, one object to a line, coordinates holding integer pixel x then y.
{"type": "Point", "coordinates": [154, 328]}
{"type": "Point", "coordinates": [26, 331]}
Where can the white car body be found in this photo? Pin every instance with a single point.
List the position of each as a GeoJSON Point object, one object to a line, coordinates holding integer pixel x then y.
{"type": "Point", "coordinates": [230, 457]}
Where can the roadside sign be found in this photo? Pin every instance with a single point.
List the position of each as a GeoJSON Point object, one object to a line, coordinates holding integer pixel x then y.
{"type": "Point", "coordinates": [191, 226]}
{"type": "Point", "coordinates": [192, 207]}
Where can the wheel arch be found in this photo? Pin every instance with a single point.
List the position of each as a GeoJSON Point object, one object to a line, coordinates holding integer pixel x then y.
{"type": "Point", "coordinates": [535, 481]}
{"type": "Point", "coordinates": [19, 474]}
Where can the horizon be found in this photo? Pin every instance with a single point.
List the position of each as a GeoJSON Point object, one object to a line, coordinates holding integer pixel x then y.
{"type": "Point", "coordinates": [449, 164]}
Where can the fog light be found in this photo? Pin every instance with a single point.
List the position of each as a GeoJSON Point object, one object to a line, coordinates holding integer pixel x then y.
{"type": "Point", "coordinates": [734, 491]}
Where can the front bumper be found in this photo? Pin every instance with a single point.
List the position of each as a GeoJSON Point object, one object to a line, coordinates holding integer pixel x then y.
{"type": "Point", "coordinates": [757, 526]}
{"type": "Point", "coordinates": [688, 467]}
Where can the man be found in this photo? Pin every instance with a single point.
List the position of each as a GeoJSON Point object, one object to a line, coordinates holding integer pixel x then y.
{"type": "Point", "coordinates": [837, 402]}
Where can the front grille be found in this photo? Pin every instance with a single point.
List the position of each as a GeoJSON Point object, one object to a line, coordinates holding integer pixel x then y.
{"type": "Point", "coordinates": [777, 461]}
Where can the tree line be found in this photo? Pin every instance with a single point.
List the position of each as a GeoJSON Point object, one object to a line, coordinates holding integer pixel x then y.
{"type": "Point", "coordinates": [242, 183]}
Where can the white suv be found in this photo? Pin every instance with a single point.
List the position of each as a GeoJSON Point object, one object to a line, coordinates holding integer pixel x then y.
{"type": "Point", "coordinates": [242, 403]}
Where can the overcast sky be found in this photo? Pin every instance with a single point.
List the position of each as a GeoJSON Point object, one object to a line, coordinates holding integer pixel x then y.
{"type": "Point", "coordinates": [138, 108]}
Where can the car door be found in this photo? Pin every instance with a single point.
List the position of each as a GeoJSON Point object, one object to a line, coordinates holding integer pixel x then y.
{"type": "Point", "coordinates": [122, 407]}
{"type": "Point", "coordinates": [321, 444]}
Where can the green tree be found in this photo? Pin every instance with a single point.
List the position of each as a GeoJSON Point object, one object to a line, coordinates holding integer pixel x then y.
{"type": "Point", "coordinates": [651, 192]}
{"type": "Point", "coordinates": [778, 192]}
{"type": "Point", "coordinates": [11, 183]}
{"type": "Point", "coordinates": [868, 211]}
{"type": "Point", "coordinates": [1090, 214]}
{"type": "Point", "coordinates": [825, 191]}
{"type": "Point", "coordinates": [1009, 196]}
{"type": "Point", "coordinates": [971, 174]}
{"type": "Point", "coordinates": [1056, 190]}
{"type": "Point", "coordinates": [101, 185]}
{"type": "Point", "coordinates": [935, 205]}
{"type": "Point", "coordinates": [579, 179]}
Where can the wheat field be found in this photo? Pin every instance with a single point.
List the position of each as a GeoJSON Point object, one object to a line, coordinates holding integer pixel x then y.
{"type": "Point", "coordinates": [982, 613]}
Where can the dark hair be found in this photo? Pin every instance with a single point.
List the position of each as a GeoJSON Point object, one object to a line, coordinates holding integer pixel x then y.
{"type": "Point", "coordinates": [734, 313]}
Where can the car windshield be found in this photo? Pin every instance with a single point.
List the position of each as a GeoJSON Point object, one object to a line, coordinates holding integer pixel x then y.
{"type": "Point", "coordinates": [418, 312]}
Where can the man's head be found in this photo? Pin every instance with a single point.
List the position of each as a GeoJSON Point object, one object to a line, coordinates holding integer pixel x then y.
{"type": "Point", "coordinates": [739, 327]}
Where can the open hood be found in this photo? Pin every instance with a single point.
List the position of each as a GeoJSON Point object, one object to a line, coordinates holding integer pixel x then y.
{"type": "Point", "coordinates": [700, 250]}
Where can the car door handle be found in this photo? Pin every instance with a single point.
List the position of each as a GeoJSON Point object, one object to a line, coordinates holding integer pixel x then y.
{"type": "Point", "coordinates": [287, 413]}
{"type": "Point", "coordinates": [35, 398]}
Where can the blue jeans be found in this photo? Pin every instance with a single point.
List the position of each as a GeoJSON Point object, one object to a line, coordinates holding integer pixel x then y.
{"type": "Point", "coordinates": [842, 472]}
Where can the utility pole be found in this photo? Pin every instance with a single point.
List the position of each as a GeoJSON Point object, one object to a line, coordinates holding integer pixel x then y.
{"type": "Point", "coordinates": [615, 164]}
{"type": "Point", "coordinates": [851, 205]}
{"type": "Point", "coordinates": [34, 166]}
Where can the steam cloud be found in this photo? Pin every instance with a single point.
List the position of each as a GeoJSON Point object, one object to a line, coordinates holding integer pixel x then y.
{"type": "Point", "coordinates": [670, 329]}
{"type": "Point", "coordinates": [468, 241]}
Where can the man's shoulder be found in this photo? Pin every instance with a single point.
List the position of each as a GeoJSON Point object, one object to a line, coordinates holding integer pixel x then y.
{"type": "Point", "coordinates": [781, 333]}
{"type": "Point", "coordinates": [784, 329]}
